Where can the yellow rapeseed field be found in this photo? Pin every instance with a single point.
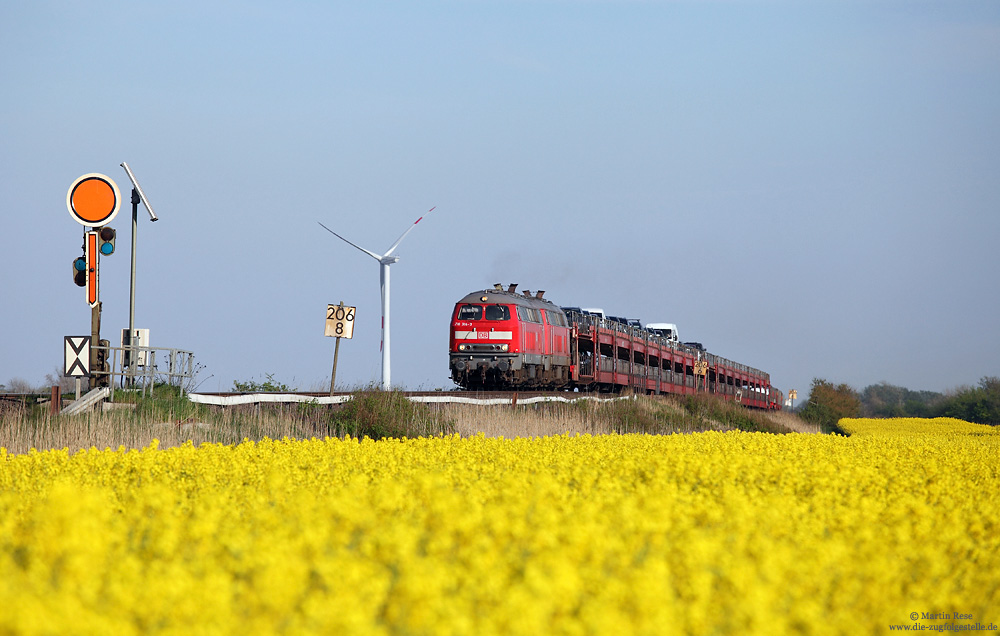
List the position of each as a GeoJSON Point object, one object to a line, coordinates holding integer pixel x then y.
{"type": "Point", "coordinates": [708, 533]}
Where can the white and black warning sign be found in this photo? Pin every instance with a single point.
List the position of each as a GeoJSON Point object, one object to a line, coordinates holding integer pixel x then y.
{"type": "Point", "coordinates": [339, 321]}
{"type": "Point", "coordinates": [76, 356]}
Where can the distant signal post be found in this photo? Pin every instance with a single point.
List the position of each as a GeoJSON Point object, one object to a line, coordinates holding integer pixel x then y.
{"type": "Point", "coordinates": [93, 200]}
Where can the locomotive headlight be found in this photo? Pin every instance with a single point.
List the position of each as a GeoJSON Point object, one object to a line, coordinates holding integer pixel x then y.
{"type": "Point", "coordinates": [462, 347]}
{"type": "Point", "coordinates": [504, 347]}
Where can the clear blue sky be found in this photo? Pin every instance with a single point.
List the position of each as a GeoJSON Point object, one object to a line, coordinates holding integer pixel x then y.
{"type": "Point", "coordinates": [807, 187]}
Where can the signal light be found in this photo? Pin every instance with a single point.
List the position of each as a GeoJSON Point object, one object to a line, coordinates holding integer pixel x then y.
{"type": "Point", "coordinates": [107, 236]}
{"type": "Point", "coordinates": [80, 271]}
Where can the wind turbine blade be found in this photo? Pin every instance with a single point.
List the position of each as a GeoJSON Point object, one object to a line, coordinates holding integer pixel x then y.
{"type": "Point", "coordinates": [372, 254]}
{"type": "Point", "coordinates": [410, 229]}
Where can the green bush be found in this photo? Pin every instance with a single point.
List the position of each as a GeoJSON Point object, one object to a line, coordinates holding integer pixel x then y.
{"type": "Point", "coordinates": [268, 386]}
{"type": "Point", "coordinates": [828, 404]}
{"type": "Point", "coordinates": [980, 405]}
{"type": "Point", "coordinates": [379, 414]}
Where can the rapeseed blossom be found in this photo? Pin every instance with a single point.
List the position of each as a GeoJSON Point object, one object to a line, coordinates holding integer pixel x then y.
{"type": "Point", "coordinates": [721, 533]}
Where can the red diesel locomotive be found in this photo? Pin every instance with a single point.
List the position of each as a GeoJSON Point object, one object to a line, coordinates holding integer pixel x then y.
{"type": "Point", "coordinates": [505, 340]}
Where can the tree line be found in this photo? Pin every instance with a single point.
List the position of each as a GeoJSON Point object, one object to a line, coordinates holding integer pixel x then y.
{"type": "Point", "coordinates": [828, 402]}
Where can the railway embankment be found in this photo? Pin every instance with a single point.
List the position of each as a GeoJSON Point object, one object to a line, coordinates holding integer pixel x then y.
{"type": "Point", "coordinates": [173, 420]}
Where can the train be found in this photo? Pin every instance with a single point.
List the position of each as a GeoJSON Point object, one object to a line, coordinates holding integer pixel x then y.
{"type": "Point", "coordinates": [501, 339]}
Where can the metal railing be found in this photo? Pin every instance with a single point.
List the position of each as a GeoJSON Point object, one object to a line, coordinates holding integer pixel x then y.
{"type": "Point", "coordinates": [132, 366]}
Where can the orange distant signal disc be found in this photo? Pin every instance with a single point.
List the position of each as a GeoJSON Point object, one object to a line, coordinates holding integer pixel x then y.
{"type": "Point", "coordinates": [93, 200]}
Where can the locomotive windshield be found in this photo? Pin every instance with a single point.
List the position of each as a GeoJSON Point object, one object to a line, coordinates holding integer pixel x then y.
{"type": "Point", "coordinates": [470, 312]}
{"type": "Point", "coordinates": [497, 312]}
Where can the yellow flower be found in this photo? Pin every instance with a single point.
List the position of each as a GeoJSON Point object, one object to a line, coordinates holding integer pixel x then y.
{"type": "Point", "coordinates": [723, 533]}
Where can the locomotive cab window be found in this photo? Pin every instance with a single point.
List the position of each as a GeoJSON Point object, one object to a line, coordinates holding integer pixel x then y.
{"type": "Point", "coordinates": [470, 312]}
{"type": "Point", "coordinates": [497, 312]}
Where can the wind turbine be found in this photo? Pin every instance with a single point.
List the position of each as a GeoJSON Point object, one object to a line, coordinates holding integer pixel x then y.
{"type": "Point", "coordinates": [385, 260]}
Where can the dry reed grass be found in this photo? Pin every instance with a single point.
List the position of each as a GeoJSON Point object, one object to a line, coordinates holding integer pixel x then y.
{"type": "Point", "coordinates": [506, 421]}
{"type": "Point", "coordinates": [21, 430]}
{"type": "Point", "coordinates": [793, 422]}
{"type": "Point", "coordinates": [120, 428]}
{"type": "Point", "coordinates": [583, 418]}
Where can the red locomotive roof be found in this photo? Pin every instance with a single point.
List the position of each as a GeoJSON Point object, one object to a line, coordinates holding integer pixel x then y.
{"type": "Point", "coordinates": [499, 296]}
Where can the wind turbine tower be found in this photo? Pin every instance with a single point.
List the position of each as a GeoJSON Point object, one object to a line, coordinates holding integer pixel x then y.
{"type": "Point", "coordinates": [385, 260]}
